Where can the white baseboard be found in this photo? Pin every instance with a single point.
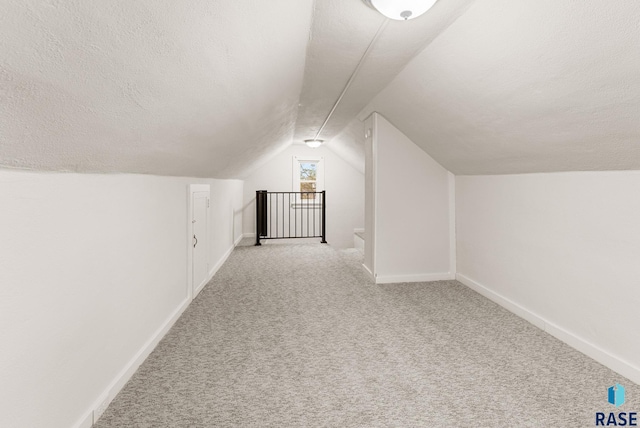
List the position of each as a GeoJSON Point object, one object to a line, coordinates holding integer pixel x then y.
{"type": "Point", "coordinates": [509, 305]}
{"type": "Point", "coordinates": [424, 277]}
{"type": "Point", "coordinates": [201, 285]}
{"type": "Point", "coordinates": [237, 241]}
{"type": "Point", "coordinates": [358, 230]}
{"type": "Point", "coordinates": [86, 421]}
{"type": "Point", "coordinates": [249, 235]}
{"type": "Point", "coordinates": [123, 377]}
{"type": "Point", "coordinates": [369, 273]}
{"type": "Point", "coordinates": [220, 262]}
{"type": "Point", "coordinates": [215, 269]}
{"type": "Point", "coordinates": [591, 350]}
{"type": "Point", "coordinates": [358, 243]}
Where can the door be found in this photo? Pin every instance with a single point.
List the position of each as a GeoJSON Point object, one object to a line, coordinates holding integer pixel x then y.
{"type": "Point", "coordinates": [199, 240]}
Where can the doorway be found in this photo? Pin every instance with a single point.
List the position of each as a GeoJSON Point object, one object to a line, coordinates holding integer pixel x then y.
{"type": "Point", "coordinates": [198, 263]}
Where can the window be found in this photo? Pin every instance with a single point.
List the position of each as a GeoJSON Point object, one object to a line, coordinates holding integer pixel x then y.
{"type": "Point", "coordinates": [308, 176]}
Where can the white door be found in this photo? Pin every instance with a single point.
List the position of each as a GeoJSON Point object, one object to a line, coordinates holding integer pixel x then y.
{"type": "Point", "coordinates": [200, 240]}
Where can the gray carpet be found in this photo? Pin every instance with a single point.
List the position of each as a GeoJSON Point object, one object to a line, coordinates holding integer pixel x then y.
{"type": "Point", "coordinates": [296, 336]}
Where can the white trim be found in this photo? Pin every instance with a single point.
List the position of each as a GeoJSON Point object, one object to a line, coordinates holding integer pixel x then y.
{"type": "Point", "coordinates": [201, 285]}
{"type": "Point", "coordinates": [220, 262]}
{"type": "Point", "coordinates": [240, 238]}
{"type": "Point", "coordinates": [508, 304]}
{"type": "Point", "coordinates": [192, 291]}
{"type": "Point", "coordinates": [358, 230]}
{"type": "Point", "coordinates": [591, 350]}
{"type": "Point", "coordinates": [123, 377]}
{"type": "Point", "coordinates": [249, 234]}
{"type": "Point", "coordinates": [215, 269]}
{"type": "Point", "coordinates": [295, 174]}
{"type": "Point", "coordinates": [358, 242]}
{"type": "Point", "coordinates": [211, 273]}
{"type": "Point", "coordinates": [369, 273]}
{"type": "Point", "coordinates": [421, 277]}
{"type": "Point", "coordinates": [85, 421]}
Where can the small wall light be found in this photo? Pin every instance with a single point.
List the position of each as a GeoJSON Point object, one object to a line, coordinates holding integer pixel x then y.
{"type": "Point", "coordinates": [401, 10]}
{"type": "Point", "coordinates": [314, 143]}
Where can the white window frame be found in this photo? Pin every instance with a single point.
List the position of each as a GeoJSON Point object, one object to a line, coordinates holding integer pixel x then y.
{"type": "Point", "coordinates": [295, 168]}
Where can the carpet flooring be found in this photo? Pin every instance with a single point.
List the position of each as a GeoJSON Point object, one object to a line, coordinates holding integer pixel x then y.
{"type": "Point", "coordinates": [297, 336]}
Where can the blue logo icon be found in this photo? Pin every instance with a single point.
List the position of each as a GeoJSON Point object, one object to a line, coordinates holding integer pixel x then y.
{"type": "Point", "coordinates": [616, 395]}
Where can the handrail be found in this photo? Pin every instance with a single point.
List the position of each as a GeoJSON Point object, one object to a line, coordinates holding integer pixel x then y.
{"type": "Point", "coordinates": [290, 215]}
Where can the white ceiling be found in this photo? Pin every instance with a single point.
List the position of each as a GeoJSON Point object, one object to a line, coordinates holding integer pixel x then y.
{"type": "Point", "coordinates": [194, 88]}
{"type": "Point", "coordinates": [213, 88]}
{"type": "Point", "coordinates": [341, 32]}
{"type": "Point", "coordinates": [534, 86]}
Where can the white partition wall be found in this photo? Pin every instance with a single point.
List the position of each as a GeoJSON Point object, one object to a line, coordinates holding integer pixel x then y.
{"type": "Point", "coordinates": [409, 219]}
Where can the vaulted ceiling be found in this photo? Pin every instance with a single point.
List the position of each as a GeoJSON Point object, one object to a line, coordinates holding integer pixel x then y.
{"type": "Point", "coordinates": [525, 86]}
{"type": "Point", "coordinates": [213, 88]}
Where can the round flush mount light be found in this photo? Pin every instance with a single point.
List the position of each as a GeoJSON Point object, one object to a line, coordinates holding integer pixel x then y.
{"type": "Point", "coordinates": [314, 143]}
{"type": "Point", "coordinates": [401, 10]}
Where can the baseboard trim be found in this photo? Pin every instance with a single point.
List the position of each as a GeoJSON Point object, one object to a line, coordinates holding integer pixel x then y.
{"type": "Point", "coordinates": [423, 277]}
{"type": "Point", "coordinates": [237, 241]}
{"type": "Point", "coordinates": [201, 285]}
{"type": "Point", "coordinates": [249, 235]}
{"type": "Point", "coordinates": [220, 262]}
{"type": "Point", "coordinates": [369, 273]}
{"type": "Point", "coordinates": [591, 350]}
{"type": "Point", "coordinates": [123, 377]}
{"type": "Point", "coordinates": [508, 304]}
{"type": "Point", "coordinates": [215, 269]}
{"type": "Point", "coordinates": [85, 421]}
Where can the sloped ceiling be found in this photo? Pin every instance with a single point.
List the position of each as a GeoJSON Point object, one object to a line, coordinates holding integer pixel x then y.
{"type": "Point", "coordinates": [213, 88]}
{"type": "Point", "coordinates": [341, 32]}
{"type": "Point", "coordinates": [517, 87]}
{"type": "Point", "coordinates": [193, 88]}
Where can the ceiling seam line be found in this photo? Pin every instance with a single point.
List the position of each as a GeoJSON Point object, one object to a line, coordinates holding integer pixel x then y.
{"type": "Point", "coordinates": [353, 75]}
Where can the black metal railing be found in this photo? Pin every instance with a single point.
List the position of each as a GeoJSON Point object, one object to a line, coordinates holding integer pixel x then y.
{"type": "Point", "coordinates": [288, 215]}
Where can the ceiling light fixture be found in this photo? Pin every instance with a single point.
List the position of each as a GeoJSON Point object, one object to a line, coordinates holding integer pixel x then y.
{"type": "Point", "coordinates": [401, 10]}
{"type": "Point", "coordinates": [314, 144]}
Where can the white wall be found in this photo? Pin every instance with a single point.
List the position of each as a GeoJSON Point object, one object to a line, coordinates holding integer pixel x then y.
{"type": "Point", "coordinates": [343, 183]}
{"type": "Point", "coordinates": [561, 250]}
{"type": "Point", "coordinates": [349, 144]}
{"type": "Point", "coordinates": [92, 267]}
{"type": "Point", "coordinates": [412, 216]}
{"type": "Point", "coordinates": [369, 196]}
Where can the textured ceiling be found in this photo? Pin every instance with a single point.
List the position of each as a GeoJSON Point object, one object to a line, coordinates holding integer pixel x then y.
{"type": "Point", "coordinates": [195, 88]}
{"type": "Point", "coordinates": [517, 87]}
{"type": "Point", "coordinates": [341, 32]}
{"type": "Point", "coordinates": [214, 88]}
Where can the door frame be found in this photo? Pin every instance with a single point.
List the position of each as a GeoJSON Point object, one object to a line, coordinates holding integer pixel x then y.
{"type": "Point", "coordinates": [193, 188]}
